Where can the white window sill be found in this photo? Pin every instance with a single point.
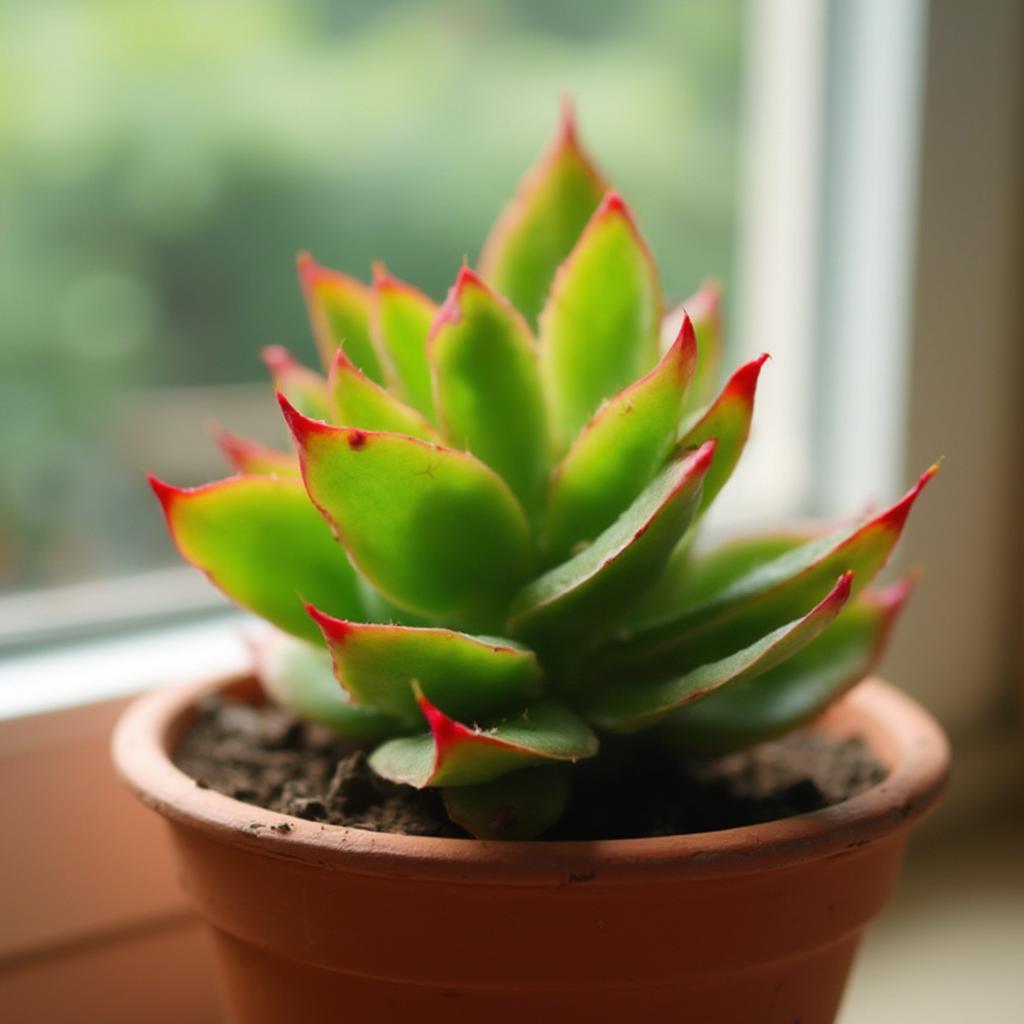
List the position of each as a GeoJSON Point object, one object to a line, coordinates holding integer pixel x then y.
{"type": "Point", "coordinates": [104, 669]}
{"type": "Point", "coordinates": [948, 949]}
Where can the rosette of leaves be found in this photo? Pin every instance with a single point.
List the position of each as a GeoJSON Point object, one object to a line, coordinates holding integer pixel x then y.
{"type": "Point", "coordinates": [479, 558]}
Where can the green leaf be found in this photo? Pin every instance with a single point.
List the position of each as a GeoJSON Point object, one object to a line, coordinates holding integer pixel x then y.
{"type": "Point", "coordinates": [705, 310]}
{"type": "Point", "coordinates": [487, 385]}
{"type": "Point", "coordinates": [377, 608]}
{"type": "Point", "coordinates": [759, 602]}
{"type": "Point", "coordinates": [339, 311]}
{"type": "Point", "coordinates": [356, 401]}
{"type": "Point", "coordinates": [471, 678]}
{"type": "Point", "coordinates": [298, 676]}
{"type": "Point", "coordinates": [453, 754]}
{"type": "Point", "coordinates": [400, 319]}
{"type": "Point", "coordinates": [618, 453]}
{"type": "Point", "coordinates": [255, 459]}
{"type": "Point", "coordinates": [520, 805]}
{"type": "Point", "coordinates": [538, 229]}
{"type": "Point", "coordinates": [641, 705]}
{"type": "Point", "coordinates": [698, 576]}
{"type": "Point", "coordinates": [261, 541]}
{"type": "Point", "coordinates": [728, 422]}
{"type": "Point", "coordinates": [433, 529]}
{"type": "Point", "coordinates": [599, 329]}
{"type": "Point", "coordinates": [306, 389]}
{"type": "Point", "coordinates": [601, 582]}
{"type": "Point", "coordinates": [796, 692]}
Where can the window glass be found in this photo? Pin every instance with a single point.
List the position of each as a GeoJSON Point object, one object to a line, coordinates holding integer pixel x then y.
{"type": "Point", "coordinates": [161, 165]}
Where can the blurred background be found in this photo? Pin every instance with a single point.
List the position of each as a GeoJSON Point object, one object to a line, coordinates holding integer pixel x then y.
{"type": "Point", "coordinates": [164, 163]}
{"type": "Point", "coordinates": [851, 169]}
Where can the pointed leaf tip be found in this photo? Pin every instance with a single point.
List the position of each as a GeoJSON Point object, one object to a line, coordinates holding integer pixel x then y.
{"type": "Point", "coordinates": [335, 630]}
{"type": "Point", "coordinates": [468, 278]}
{"type": "Point", "coordinates": [277, 359]}
{"type": "Point", "coordinates": [839, 594]}
{"type": "Point", "coordinates": [341, 361]}
{"type": "Point", "coordinates": [895, 596]}
{"type": "Point", "coordinates": [685, 347]}
{"type": "Point", "coordinates": [312, 273]}
{"type": "Point", "coordinates": [889, 601]}
{"type": "Point", "coordinates": [612, 203]}
{"type": "Point", "coordinates": [446, 731]}
{"type": "Point", "coordinates": [165, 492]}
{"type": "Point", "coordinates": [538, 228]}
{"type": "Point", "coordinates": [896, 516]}
{"type": "Point", "coordinates": [253, 458]}
{"type": "Point", "coordinates": [687, 335]}
{"type": "Point", "coordinates": [742, 385]}
{"type": "Point", "coordinates": [450, 311]}
{"type": "Point", "coordinates": [567, 135]}
{"type": "Point", "coordinates": [380, 275]}
{"type": "Point", "coordinates": [300, 426]}
{"type": "Point", "coordinates": [305, 264]}
{"type": "Point", "coordinates": [704, 455]}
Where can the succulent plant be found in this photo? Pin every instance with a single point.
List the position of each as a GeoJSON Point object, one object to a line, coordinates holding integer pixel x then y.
{"type": "Point", "coordinates": [480, 556]}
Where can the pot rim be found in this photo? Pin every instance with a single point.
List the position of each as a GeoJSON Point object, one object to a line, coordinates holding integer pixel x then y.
{"type": "Point", "coordinates": [904, 736]}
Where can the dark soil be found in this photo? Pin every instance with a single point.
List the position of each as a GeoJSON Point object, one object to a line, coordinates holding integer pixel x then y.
{"type": "Point", "coordinates": [264, 756]}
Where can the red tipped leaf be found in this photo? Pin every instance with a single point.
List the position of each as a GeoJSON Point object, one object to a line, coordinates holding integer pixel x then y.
{"type": "Point", "coordinates": [339, 311]}
{"type": "Point", "coordinates": [487, 386]}
{"type": "Point", "coordinates": [796, 692]}
{"type": "Point", "coordinates": [255, 459]}
{"type": "Point", "coordinates": [261, 541]}
{"type": "Point", "coordinates": [433, 529]}
{"type": "Point", "coordinates": [306, 389]}
{"type": "Point", "coordinates": [471, 678]}
{"type": "Point", "coordinates": [765, 598]}
{"type": "Point", "coordinates": [538, 229]}
{"type": "Point", "coordinates": [632, 706]}
{"type": "Point", "coordinates": [619, 452]}
{"type": "Point", "coordinates": [599, 328]}
{"type": "Point", "coordinates": [356, 401]}
{"type": "Point", "coordinates": [400, 319]}
{"type": "Point", "coordinates": [455, 754]}
{"type": "Point", "coordinates": [727, 420]}
{"type": "Point", "coordinates": [705, 310]}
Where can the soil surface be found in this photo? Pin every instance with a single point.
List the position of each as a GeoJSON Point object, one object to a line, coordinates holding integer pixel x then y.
{"type": "Point", "coordinates": [265, 756]}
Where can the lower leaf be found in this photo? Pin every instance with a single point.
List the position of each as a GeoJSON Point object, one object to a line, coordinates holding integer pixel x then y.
{"type": "Point", "coordinates": [796, 692]}
{"type": "Point", "coordinates": [520, 805]}
{"type": "Point", "coordinates": [299, 677]}
{"type": "Point", "coordinates": [631, 708]}
{"type": "Point", "coordinates": [261, 541]}
{"type": "Point", "coordinates": [469, 677]}
{"type": "Point", "coordinates": [454, 754]}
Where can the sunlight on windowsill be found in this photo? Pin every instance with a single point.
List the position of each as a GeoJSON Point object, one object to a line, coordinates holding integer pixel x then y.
{"type": "Point", "coordinates": [948, 949]}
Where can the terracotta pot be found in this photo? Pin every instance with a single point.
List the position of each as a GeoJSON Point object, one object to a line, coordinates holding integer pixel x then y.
{"type": "Point", "coordinates": [754, 925]}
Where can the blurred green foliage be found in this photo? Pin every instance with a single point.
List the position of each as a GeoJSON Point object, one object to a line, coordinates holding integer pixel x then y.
{"type": "Point", "coordinates": [161, 164]}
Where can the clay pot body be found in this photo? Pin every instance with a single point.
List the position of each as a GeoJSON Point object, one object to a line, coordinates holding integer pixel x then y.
{"type": "Point", "coordinates": [755, 925]}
